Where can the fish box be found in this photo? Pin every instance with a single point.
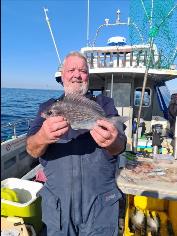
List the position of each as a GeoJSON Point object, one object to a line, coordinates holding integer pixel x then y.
{"type": "Point", "coordinates": [144, 145]}
{"type": "Point", "coordinates": [18, 198]}
{"type": "Point", "coordinates": [165, 209]}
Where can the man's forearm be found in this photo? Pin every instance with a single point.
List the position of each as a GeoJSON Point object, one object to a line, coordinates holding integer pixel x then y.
{"type": "Point", "coordinates": [35, 145]}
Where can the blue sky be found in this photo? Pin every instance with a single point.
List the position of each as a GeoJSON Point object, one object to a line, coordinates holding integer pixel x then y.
{"type": "Point", "coordinates": [28, 57]}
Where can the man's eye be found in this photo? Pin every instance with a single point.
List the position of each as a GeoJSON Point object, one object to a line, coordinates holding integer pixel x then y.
{"type": "Point", "coordinates": [84, 71]}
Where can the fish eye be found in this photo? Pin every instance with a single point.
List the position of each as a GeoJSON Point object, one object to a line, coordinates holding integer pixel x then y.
{"type": "Point", "coordinates": [49, 113]}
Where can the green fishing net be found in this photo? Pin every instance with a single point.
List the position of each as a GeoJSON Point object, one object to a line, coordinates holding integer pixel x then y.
{"type": "Point", "coordinates": [155, 21]}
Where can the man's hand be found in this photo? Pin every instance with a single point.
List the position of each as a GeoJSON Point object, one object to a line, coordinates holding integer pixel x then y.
{"type": "Point", "coordinates": [53, 128]}
{"type": "Point", "coordinates": [107, 136]}
{"type": "Point", "coordinates": [104, 133]}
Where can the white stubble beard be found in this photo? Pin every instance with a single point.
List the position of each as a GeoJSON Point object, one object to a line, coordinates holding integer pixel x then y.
{"type": "Point", "coordinates": [82, 89]}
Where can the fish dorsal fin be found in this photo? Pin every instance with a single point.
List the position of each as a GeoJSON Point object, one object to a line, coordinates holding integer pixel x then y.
{"type": "Point", "coordinates": [81, 100]}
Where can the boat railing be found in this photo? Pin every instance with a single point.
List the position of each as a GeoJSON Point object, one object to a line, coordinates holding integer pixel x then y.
{"type": "Point", "coordinates": [124, 57]}
{"type": "Point", "coordinates": [13, 125]}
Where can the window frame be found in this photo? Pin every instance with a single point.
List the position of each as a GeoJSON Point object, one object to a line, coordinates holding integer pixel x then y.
{"type": "Point", "coordinates": [150, 100]}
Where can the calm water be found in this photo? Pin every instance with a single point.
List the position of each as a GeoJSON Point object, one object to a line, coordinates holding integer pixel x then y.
{"type": "Point", "coordinates": [19, 104]}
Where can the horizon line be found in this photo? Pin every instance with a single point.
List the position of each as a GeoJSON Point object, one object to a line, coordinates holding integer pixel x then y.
{"type": "Point", "coordinates": [32, 88]}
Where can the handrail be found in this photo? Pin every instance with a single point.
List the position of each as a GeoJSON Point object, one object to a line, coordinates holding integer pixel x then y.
{"type": "Point", "coordinates": [121, 57]}
{"type": "Point", "coordinates": [14, 124]}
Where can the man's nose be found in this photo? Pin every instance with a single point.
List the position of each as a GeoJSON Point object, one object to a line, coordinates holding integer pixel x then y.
{"type": "Point", "coordinates": [76, 73]}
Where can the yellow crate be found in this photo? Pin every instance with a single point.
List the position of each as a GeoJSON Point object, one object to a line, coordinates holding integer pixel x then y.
{"type": "Point", "coordinates": [166, 209]}
{"type": "Point", "coordinates": [172, 212]}
{"type": "Point", "coordinates": [129, 204]}
{"type": "Point", "coordinates": [149, 203]}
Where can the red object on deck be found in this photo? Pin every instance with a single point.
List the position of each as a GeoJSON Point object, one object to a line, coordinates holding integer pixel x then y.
{"type": "Point", "coordinates": [40, 176]}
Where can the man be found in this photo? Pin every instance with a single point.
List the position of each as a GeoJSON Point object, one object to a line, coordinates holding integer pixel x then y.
{"type": "Point", "coordinates": [80, 196]}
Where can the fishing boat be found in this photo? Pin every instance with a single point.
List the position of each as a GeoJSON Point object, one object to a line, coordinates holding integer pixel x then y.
{"type": "Point", "coordinates": [120, 71]}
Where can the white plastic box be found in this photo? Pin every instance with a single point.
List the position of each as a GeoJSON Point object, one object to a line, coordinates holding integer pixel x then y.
{"type": "Point", "coordinates": [28, 207]}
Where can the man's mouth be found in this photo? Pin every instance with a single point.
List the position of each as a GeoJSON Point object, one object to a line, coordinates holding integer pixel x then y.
{"type": "Point", "coordinates": [78, 81]}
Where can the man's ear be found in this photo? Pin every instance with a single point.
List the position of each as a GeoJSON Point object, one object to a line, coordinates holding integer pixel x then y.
{"type": "Point", "coordinates": [62, 76]}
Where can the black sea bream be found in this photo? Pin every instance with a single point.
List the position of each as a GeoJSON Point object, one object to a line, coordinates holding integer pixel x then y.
{"type": "Point", "coordinates": [80, 112]}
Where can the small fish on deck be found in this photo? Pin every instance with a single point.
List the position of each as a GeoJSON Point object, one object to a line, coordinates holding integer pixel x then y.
{"type": "Point", "coordinates": [80, 112]}
{"type": "Point", "coordinates": [138, 222]}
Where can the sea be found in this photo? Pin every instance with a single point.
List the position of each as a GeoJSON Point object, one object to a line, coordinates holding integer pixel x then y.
{"type": "Point", "coordinates": [19, 105]}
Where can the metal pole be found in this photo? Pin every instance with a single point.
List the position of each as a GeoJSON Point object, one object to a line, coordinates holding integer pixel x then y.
{"type": "Point", "coordinates": [28, 123]}
{"type": "Point", "coordinates": [112, 81]}
{"type": "Point", "coordinates": [143, 90]}
{"type": "Point", "coordinates": [88, 21]}
{"type": "Point", "coordinates": [175, 141]}
{"type": "Point", "coordinates": [48, 23]}
{"type": "Point", "coordinates": [14, 128]}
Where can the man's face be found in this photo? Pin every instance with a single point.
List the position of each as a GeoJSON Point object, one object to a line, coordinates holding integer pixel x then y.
{"type": "Point", "coordinates": [75, 75]}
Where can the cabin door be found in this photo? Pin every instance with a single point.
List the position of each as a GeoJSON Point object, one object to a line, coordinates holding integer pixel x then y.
{"type": "Point", "coordinates": [121, 93]}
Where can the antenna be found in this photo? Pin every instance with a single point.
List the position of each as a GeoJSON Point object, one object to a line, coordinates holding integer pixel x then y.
{"type": "Point", "coordinates": [117, 23]}
{"type": "Point", "coordinates": [48, 23]}
{"type": "Point", "coordinates": [88, 19]}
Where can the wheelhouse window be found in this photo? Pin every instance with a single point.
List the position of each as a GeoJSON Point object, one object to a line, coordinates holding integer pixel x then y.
{"type": "Point", "coordinates": [96, 92]}
{"type": "Point", "coordinates": [147, 97]}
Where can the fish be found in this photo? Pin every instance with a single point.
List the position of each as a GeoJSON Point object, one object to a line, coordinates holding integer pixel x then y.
{"type": "Point", "coordinates": [81, 112]}
{"type": "Point", "coordinates": [138, 222]}
{"type": "Point", "coordinates": [153, 223]}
